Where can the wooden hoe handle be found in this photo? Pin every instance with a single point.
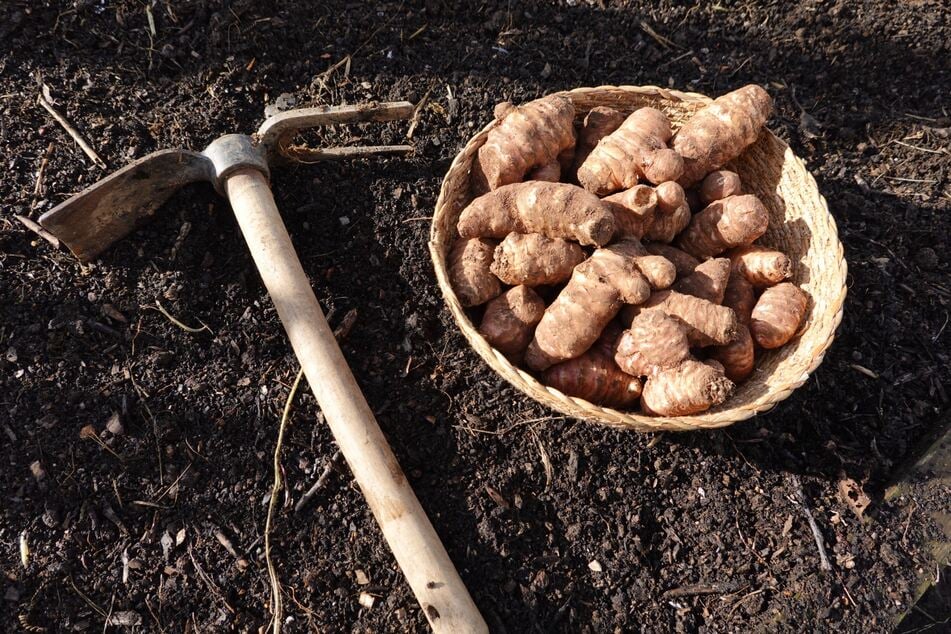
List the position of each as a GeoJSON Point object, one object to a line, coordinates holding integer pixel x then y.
{"type": "Point", "coordinates": [418, 551]}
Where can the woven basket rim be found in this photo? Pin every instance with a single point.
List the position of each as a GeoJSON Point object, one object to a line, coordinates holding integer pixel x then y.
{"type": "Point", "coordinates": [580, 408]}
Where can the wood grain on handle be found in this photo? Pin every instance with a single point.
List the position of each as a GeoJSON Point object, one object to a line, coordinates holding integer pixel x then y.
{"type": "Point", "coordinates": [421, 556]}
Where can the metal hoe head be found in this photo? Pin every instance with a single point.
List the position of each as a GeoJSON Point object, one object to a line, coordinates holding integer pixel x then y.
{"type": "Point", "coordinates": [89, 222]}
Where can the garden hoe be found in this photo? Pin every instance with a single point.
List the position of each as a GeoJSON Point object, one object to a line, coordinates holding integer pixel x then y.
{"type": "Point", "coordinates": [238, 167]}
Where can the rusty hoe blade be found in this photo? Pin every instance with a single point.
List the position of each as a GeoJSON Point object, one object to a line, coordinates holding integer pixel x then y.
{"type": "Point", "coordinates": [89, 222]}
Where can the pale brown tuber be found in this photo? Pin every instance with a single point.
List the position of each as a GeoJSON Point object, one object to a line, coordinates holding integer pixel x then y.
{"type": "Point", "coordinates": [510, 319]}
{"type": "Point", "coordinates": [727, 223]}
{"type": "Point", "coordinates": [550, 172]}
{"type": "Point", "coordinates": [637, 149]}
{"type": "Point", "coordinates": [555, 210]}
{"type": "Point", "coordinates": [736, 357]}
{"type": "Point", "coordinates": [598, 123]}
{"type": "Point", "coordinates": [760, 266]}
{"type": "Point", "coordinates": [684, 262]}
{"type": "Point", "coordinates": [672, 215]}
{"type": "Point", "coordinates": [708, 281]}
{"type": "Point", "coordinates": [595, 293]}
{"type": "Point", "coordinates": [528, 136]}
{"type": "Point", "coordinates": [741, 297]}
{"type": "Point", "coordinates": [688, 388]}
{"type": "Point", "coordinates": [533, 260]}
{"type": "Point", "coordinates": [469, 274]}
{"type": "Point", "coordinates": [777, 315]}
{"type": "Point", "coordinates": [653, 342]}
{"type": "Point", "coordinates": [707, 323]}
{"type": "Point", "coordinates": [659, 272]}
{"type": "Point", "coordinates": [718, 185]}
{"type": "Point", "coordinates": [595, 377]}
{"type": "Point", "coordinates": [719, 132]}
{"type": "Point", "coordinates": [633, 210]}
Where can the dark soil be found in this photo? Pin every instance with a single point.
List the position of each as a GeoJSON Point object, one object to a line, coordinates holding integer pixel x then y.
{"type": "Point", "coordinates": [694, 532]}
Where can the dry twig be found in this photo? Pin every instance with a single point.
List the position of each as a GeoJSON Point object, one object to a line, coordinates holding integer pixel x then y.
{"type": "Point", "coordinates": [816, 534]}
{"type": "Point", "coordinates": [277, 603]}
{"type": "Point", "coordinates": [70, 130]}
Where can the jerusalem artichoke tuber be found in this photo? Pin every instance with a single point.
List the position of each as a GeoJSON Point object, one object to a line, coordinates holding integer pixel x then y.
{"type": "Point", "coordinates": [707, 323]}
{"type": "Point", "coordinates": [555, 210]}
{"type": "Point", "coordinates": [550, 172]}
{"type": "Point", "coordinates": [672, 214]}
{"type": "Point", "coordinates": [760, 266]}
{"type": "Point", "coordinates": [469, 274]}
{"type": "Point", "coordinates": [636, 149]}
{"type": "Point", "coordinates": [658, 270]}
{"type": "Point", "coordinates": [633, 210]}
{"type": "Point", "coordinates": [530, 135]}
{"type": "Point", "coordinates": [737, 357]}
{"type": "Point", "coordinates": [595, 377]}
{"type": "Point", "coordinates": [684, 262]}
{"type": "Point", "coordinates": [708, 281]}
{"type": "Point", "coordinates": [723, 224]}
{"type": "Point", "coordinates": [654, 342]}
{"type": "Point", "coordinates": [533, 260]}
{"type": "Point", "coordinates": [721, 131]}
{"type": "Point", "coordinates": [510, 319]}
{"type": "Point", "coordinates": [718, 185]}
{"type": "Point", "coordinates": [595, 293]}
{"type": "Point", "coordinates": [688, 388]}
{"type": "Point", "coordinates": [598, 123]}
{"type": "Point", "coordinates": [777, 315]}
{"type": "Point", "coordinates": [741, 297]}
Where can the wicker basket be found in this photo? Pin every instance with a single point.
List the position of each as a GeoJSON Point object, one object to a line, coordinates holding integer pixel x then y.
{"type": "Point", "coordinates": [800, 225]}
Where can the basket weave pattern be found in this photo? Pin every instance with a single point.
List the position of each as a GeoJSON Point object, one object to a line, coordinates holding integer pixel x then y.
{"type": "Point", "coordinates": [800, 225]}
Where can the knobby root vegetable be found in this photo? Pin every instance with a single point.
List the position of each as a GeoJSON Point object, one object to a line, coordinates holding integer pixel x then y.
{"type": "Point", "coordinates": [670, 196]}
{"type": "Point", "coordinates": [721, 131]}
{"type": "Point", "coordinates": [672, 215]}
{"type": "Point", "coordinates": [550, 172]}
{"type": "Point", "coordinates": [595, 377]}
{"type": "Point", "coordinates": [777, 315]}
{"type": "Point", "coordinates": [510, 319]}
{"type": "Point", "coordinates": [737, 357]}
{"type": "Point", "coordinates": [708, 281]}
{"type": "Point", "coordinates": [598, 123]}
{"type": "Point", "coordinates": [707, 323]}
{"type": "Point", "coordinates": [723, 224]}
{"type": "Point", "coordinates": [653, 342]}
{"type": "Point", "coordinates": [688, 388]}
{"type": "Point", "coordinates": [658, 270]}
{"type": "Point", "coordinates": [566, 161]}
{"type": "Point", "coordinates": [741, 297]}
{"type": "Point", "coordinates": [598, 288]}
{"type": "Point", "coordinates": [636, 149]}
{"type": "Point", "coordinates": [555, 210]}
{"type": "Point", "coordinates": [693, 201]}
{"type": "Point", "coordinates": [633, 210]}
{"type": "Point", "coordinates": [718, 185]}
{"type": "Point", "coordinates": [469, 274]}
{"type": "Point", "coordinates": [760, 266]}
{"type": "Point", "coordinates": [530, 135]}
{"type": "Point", "coordinates": [533, 260]}
{"type": "Point", "coordinates": [666, 226]}
{"type": "Point", "coordinates": [684, 262]}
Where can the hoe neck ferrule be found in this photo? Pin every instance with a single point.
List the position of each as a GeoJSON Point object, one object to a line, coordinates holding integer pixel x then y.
{"type": "Point", "coordinates": [230, 153]}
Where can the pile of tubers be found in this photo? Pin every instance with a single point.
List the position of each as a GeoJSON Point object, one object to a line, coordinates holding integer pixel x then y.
{"type": "Point", "coordinates": [618, 261]}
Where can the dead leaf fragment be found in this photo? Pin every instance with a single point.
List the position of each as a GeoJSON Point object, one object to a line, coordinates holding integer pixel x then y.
{"type": "Point", "coordinates": [852, 494]}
